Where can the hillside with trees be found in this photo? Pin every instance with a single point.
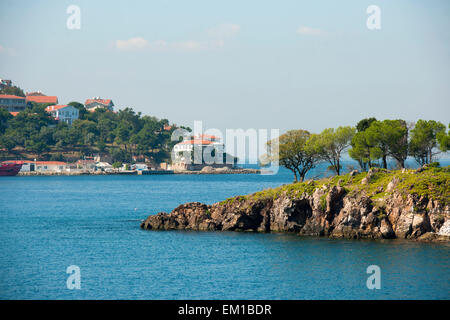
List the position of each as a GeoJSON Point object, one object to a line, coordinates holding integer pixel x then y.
{"type": "Point", "coordinates": [120, 135]}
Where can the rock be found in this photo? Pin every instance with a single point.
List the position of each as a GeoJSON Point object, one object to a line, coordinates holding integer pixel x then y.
{"type": "Point", "coordinates": [327, 211]}
{"type": "Point", "coordinates": [421, 169]}
{"type": "Point", "coordinates": [190, 216]}
{"type": "Point", "coordinates": [431, 236]}
{"type": "Point", "coordinates": [445, 229]}
{"type": "Point", "coordinates": [334, 198]}
{"type": "Point", "coordinates": [353, 173]}
{"type": "Point", "coordinates": [207, 169]}
{"type": "Point", "coordinates": [365, 180]}
{"type": "Point", "coordinates": [386, 229]}
{"type": "Point", "coordinates": [392, 184]}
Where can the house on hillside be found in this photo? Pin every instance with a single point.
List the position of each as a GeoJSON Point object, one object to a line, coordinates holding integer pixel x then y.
{"type": "Point", "coordinates": [38, 97]}
{"type": "Point", "coordinates": [12, 103]}
{"type": "Point", "coordinates": [97, 102]}
{"type": "Point", "coordinates": [63, 113]}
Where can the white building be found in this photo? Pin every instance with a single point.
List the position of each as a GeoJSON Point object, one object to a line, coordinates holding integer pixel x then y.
{"type": "Point", "coordinates": [206, 144]}
{"type": "Point", "coordinates": [200, 140]}
{"type": "Point", "coordinates": [63, 113]}
{"type": "Point", "coordinates": [44, 166]}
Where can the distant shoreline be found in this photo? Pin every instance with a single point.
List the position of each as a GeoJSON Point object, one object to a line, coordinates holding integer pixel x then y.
{"type": "Point", "coordinates": [149, 172]}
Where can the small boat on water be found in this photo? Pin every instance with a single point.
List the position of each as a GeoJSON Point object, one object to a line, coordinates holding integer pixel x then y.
{"type": "Point", "coordinates": [10, 168]}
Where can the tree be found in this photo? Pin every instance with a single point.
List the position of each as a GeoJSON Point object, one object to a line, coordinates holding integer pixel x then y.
{"type": "Point", "coordinates": [424, 140]}
{"type": "Point", "coordinates": [82, 111]}
{"type": "Point", "coordinates": [13, 90]}
{"type": "Point", "coordinates": [293, 153]}
{"type": "Point", "coordinates": [117, 165]}
{"type": "Point", "coordinates": [123, 133]}
{"type": "Point", "coordinates": [363, 150]}
{"type": "Point", "coordinates": [5, 116]}
{"type": "Point", "coordinates": [36, 146]}
{"type": "Point", "coordinates": [330, 144]}
{"type": "Point", "coordinates": [7, 142]}
{"type": "Point", "coordinates": [444, 140]}
{"type": "Point", "coordinates": [364, 124]}
{"type": "Point", "coordinates": [397, 141]}
{"type": "Point", "coordinates": [390, 139]}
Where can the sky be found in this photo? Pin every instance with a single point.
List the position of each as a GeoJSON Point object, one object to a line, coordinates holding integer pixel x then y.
{"type": "Point", "coordinates": [285, 64]}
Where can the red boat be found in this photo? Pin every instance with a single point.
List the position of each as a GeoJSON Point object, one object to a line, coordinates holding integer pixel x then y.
{"type": "Point", "coordinates": [10, 168]}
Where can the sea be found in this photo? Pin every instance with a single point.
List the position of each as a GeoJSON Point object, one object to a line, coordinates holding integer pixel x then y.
{"type": "Point", "coordinates": [52, 225]}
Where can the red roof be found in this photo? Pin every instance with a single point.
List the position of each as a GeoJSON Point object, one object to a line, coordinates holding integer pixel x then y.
{"type": "Point", "coordinates": [51, 162]}
{"type": "Point", "coordinates": [43, 99]}
{"type": "Point", "coordinates": [86, 162]}
{"type": "Point", "coordinates": [196, 141]}
{"type": "Point", "coordinates": [206, 136]}
{"type": "Point", "coordinates": [14, 113]}
{"type": "Point", "coordinates": [53, 108]}
{"type": "Point", "coordinates": [40, 162]}
{"type": "Point", "coordinates": [105, 102]}
{"type": "Point", "coordinates": [10, 96]}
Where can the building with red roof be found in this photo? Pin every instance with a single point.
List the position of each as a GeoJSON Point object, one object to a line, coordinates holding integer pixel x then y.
{"type": "Point", "coordinates": [12, 103]}
{"type": "Point", "coordinates": [183, 152]}
{"type": "Point", "coordinates": [41, 99]}
{"type": "Point", "coordinates": [97, 102]}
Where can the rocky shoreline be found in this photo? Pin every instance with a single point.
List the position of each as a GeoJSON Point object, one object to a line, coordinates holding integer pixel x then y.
{"type": "Point", "coordinates": [221, 171]}
{"type": "Point", "coordinates": [380, 204]}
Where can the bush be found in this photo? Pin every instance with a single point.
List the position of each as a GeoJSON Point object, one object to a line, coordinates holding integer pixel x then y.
{"type": "Point", "coordinates": [57, 157]}
{"type": "Point", "coordinates": [117, 164]}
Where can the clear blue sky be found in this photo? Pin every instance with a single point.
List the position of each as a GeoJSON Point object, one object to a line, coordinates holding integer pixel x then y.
{"type": "Point", "coordinates": [237, 64]}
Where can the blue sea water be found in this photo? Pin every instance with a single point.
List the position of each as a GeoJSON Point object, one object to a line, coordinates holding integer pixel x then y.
{"type": "Point", "coordinates": [50, 223]}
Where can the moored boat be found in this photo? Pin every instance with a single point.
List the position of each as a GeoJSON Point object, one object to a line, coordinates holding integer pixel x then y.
{"type": "Point", "coordinates": [10, 168]}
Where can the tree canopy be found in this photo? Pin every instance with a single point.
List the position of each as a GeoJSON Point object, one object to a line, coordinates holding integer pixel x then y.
{"type": "Point", "coordinates": [291, 151]}
{"type": "Point", "coordinates": [424, 140]}
{"type": "Point", "coordinates": [331, 143]}
{"type": "Point", "coordinates": [13, 90]}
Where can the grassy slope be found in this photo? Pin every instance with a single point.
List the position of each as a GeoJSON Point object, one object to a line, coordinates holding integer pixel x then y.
{"type": "Point", "coordinates": [432, 183]}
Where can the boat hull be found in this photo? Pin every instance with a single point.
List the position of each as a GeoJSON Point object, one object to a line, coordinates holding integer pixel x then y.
{"type": "Point", "coordinates": [9, 169]}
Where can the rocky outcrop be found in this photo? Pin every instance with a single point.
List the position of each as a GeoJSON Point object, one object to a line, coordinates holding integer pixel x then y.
{"type": "Point", "coordinates": [330, 211]}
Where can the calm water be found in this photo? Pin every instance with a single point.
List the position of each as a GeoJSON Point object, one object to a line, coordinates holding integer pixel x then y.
{"type": "Point", "coordinates": [49, 223]}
